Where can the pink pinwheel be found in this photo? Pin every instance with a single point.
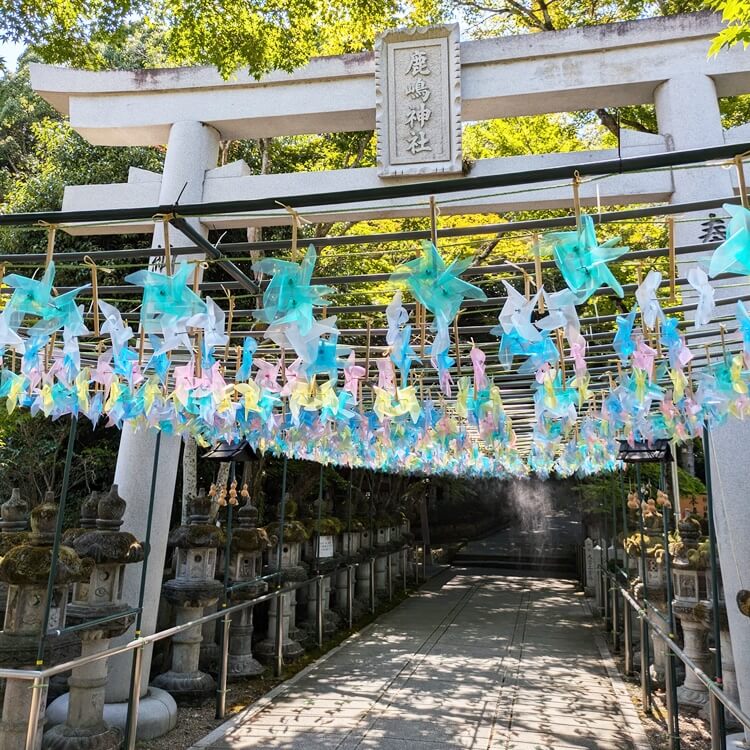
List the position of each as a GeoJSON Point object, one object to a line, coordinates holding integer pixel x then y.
{"type": "Point", "coordinates": [386, 374]}
{"type": "Point", "coordinates": [183, 382]}
{"type": "Point", "coordinates": [292, 375]}
{"type": "Point", "coordinates": [478, 358]}
{"type": "Point", "coordinates": [643, 357]}
{"type": "Point", "coordinates": [268, 375]}
{"type": "Point", "coordinates": [578, 353]}
{"type": "Point", "coordinates": [353, 373]}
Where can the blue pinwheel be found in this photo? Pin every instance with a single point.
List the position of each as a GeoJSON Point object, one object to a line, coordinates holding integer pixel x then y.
{"type": "Point", "coordinates": [289, 296]}
{"type": "Point", "coordinates": [437, 286]}
{"type": "Point", "coordinates": [167, 300]}
{"type": "Point", "coordinates": [583, 261]}
{"type": "Point", "coordinates": [623, 342]}
{"type": "Point", "coordinates": [733, 255]}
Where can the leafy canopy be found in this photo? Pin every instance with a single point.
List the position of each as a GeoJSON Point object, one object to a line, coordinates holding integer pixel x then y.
{"type": "Point", "coordinates": [232, 34]}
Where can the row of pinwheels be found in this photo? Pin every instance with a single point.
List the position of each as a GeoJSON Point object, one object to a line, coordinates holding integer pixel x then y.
{"type": "Point", "coordinates": [173, 378]}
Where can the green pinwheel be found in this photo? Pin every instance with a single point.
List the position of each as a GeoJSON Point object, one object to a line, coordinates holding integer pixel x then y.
{"type": "Point", "coordinates": [583, 261]}
{"type": "Point", "coordinates": [437, 286]}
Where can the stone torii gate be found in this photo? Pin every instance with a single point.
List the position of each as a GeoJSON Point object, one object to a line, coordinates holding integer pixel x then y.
{"type": "Point", "coordinates": [659, 61]}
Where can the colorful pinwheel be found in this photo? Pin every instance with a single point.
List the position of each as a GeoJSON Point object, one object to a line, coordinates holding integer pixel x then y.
{"type": "Point", "coordinates": [583, 261]}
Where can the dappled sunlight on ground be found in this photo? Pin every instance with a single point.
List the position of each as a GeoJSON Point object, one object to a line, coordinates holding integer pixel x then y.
{"type": "Point", "coordinates": [472, 661]}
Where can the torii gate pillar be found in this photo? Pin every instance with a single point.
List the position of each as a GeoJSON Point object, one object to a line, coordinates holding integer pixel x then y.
{"type": "Point", "coordinates": [192, 149]}
{"type": "Point", "coordinates": [688, 113]}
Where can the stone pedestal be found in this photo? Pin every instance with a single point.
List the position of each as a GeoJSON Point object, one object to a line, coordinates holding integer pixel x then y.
{"type": "Point", "coordinates": [245, 567]}
{"type": "Point", "coordinates": [25, 568]}
{"type": "Point", "coordinates": [192, 589]}
{"type": "Point", "coordinates": [292, 571]}
{"type": "Point", "coordinates": [692, 692]}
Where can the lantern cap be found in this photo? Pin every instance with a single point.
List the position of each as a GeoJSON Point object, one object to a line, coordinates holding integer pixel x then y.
{"type": "Point", "coordinates": [656, 451]}
{"type": "Point", "coordinates": [224, 451]}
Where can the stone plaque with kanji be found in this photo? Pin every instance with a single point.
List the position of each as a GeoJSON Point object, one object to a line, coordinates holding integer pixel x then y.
{"type": "Point", "coordinates": [418, 101]}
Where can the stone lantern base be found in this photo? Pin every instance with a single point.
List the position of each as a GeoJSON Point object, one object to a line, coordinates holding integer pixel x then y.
{"type": "Point", "coordinates": [98, 737]}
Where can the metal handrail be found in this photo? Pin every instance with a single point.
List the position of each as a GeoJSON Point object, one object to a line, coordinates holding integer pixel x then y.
{"type": "Point", "coordinates": [716, 693]}
{"type": "Point", "coordinates": [146, 640]}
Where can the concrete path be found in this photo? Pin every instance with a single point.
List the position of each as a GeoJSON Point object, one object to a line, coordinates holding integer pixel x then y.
{"type": "Point", "coordinates": [472, 661]}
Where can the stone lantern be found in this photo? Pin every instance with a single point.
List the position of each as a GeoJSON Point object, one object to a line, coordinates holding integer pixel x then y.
{"type": "Point", "coordinates": [26, 568]}
{"type": "Point", "coordinates": [365, 512]}
{"type": "Point", "coordinates": [321, 556]}
{"type": "Point", "coordinates": [292, 571]}
{"type": "Point", "coordinates": [247, 546]}
{"type": "Point", "coordinates": [382, 543]}
{"type": "Point", "coordinates": [100, 596]}
{"type": "Point", "coordinates": [690, 604]}
{"type": "Point", "coordinates": [193, 588]}
{"type": "Point", "coordinates": [14, 513]}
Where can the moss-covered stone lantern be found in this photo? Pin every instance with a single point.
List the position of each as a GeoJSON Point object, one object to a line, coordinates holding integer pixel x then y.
{"type": "Point", "coordinates": [26, 570]}
{"type": "Point", "coordinates": [97, 601]}
{"type": "Point", "coordinates": [193, 588]}
{"type": "Point", "coordinates": [247, 546]}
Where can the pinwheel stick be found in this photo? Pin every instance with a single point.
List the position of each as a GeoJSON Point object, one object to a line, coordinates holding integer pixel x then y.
{"type": "Point", "coordinates": [95, 290]}
{"type": "Point", "coordinates": [167, 247]}
{"type": "Point", "coordinates": [458, 346]}
{"type": "Point", "coordinates": [577, 198]}
{"type": "Point", "coordinates": [561, 348]}
{"type": "Point", "coordinates": [672, 261]}
{"type": "Point", "coordinates": [741, 180]}
{"type": "Point", "coordinates": [434, 211]}
{"type": "Point", "coordinates": [538, 273]}
{"type": "Point", "coordinates": [367, 350]}
{"type": "Point", "coordinates": [51, 234]}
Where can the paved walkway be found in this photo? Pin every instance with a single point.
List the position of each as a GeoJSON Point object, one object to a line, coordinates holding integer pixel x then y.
{"type": "Point", "coordinates": [472, 661]}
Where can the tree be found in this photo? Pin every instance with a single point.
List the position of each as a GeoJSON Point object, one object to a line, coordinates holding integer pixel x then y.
{"type": "Point", "coordinates": [230, 35]}
{"type": "Point", "coordinates": [736, 14]}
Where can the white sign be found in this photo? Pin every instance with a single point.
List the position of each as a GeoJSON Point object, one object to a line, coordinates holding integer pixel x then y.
{"type": "Point", "coordinates": [325, 546]}
{"type": "Point", "coordinates": [418, 101]}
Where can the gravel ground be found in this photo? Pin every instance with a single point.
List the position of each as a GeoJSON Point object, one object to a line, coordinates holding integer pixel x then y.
{"type": "Point", "coordinates": [694, 732]}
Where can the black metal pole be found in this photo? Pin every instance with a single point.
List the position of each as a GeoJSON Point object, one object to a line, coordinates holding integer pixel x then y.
{"type": "Point", "coordinates": [715, 605]}
{"type": "Point", "coordinates": [135, 670]}
{"type": "Point", "coordinates": [673, 709]}
{"type": "Point", "coordinates": [645, 650]}
{"type": "Point", "coordinates": [56, 542]}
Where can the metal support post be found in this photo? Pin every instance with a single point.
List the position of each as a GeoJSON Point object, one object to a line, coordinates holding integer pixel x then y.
{"type": "Point", "coordinates": [221, 689]}
{"type": "Point", "coordinates": [372, 585]}
{"type": "Point", "coordinates": [645, 676]}
{"type": "Point", "coordinates": [406, 565]}
{"type": "Point", "coordinates": [673, 716]}
{"type": "Point", "coordinates": [279, 665]}
{"type": "Point", "coordinates": [390, 577]}
{"type": "Point", "coordinates": [627, 637]}
{"type": "Point", "coordinates": [615, 617]}
{"type": "Point", "coordinates": [716, 718]}
{"type": "Point", "coordinates": [37, 691]}
{"type": "Point", "coordinates": [319, 611]}
{"type": "Point", "coordinates": [135, 698]}
{"type": "Point", "coordinates": [349, 595]}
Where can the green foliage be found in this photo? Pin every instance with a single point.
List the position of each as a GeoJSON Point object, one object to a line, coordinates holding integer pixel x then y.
{"type": "Point", "coordinates": [233, 35]}
{"type": "Point", "coordinates": [736, 14]}
{"type": "Point", "coordinates": [32, 457]}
